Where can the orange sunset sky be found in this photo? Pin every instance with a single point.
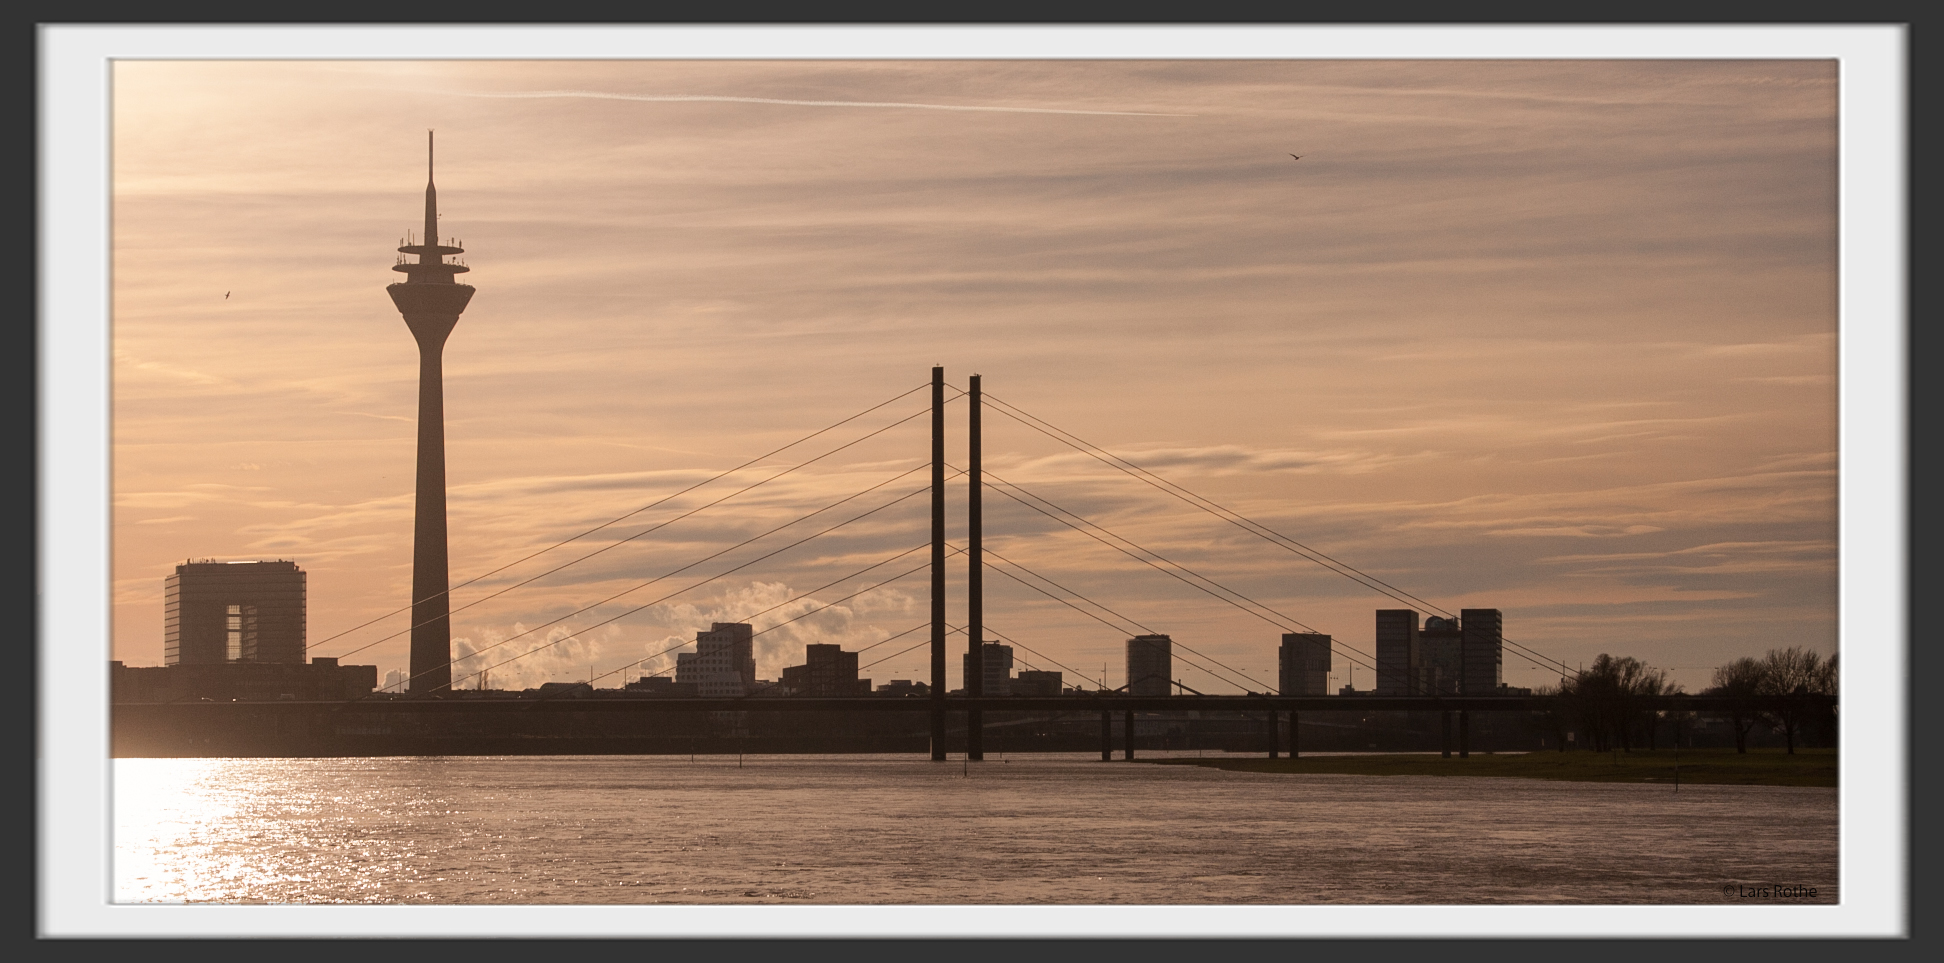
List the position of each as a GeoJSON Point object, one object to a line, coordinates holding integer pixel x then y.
{"type": "Point", "coordinates": [1553, 337]}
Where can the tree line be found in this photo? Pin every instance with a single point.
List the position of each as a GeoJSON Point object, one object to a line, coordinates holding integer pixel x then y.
{"type": "Point", "coordinates": [1610, 702]}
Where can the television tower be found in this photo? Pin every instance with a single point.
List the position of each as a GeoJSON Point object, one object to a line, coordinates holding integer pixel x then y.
{"type": "Point", "coordinates": [431, 302]}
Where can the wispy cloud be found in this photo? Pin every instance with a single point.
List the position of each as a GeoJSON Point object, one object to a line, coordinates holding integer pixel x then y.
{"type": "Point", "coordinates": [720, 99]}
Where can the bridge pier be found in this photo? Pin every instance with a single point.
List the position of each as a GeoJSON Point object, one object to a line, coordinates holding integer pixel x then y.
{"type": "Point", "coordinates": [1464, 734]}
{"type": "Point", "coordinates": [1295, 738]}
{"type": "Point", "coordinates": [1445, 718]}
{"type": "Point", "coordinates": [1127, 734]}
{"type": "Point", "coordinates": [1275, 736]}
{"type": "Point", "coordinates": [974, 584]}
{"type": "Point", "coordinates": [1106, 737]}
{"type": "Point", "coordinates": [938, 565]}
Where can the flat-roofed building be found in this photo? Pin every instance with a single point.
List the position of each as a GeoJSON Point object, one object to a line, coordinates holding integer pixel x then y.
{"type": "Point", "coordinates": [995, 664]}
{"type": "Point", "coordinates": [1398, 658]}
{"type": "Point", "coordinates": [215, 612]}
{"type": "Point", "coordinates": [1484, 651]}
{"type": "Point", "coordinates": [1441, 657]}
{"type": "Point", "coordinates": [827, 671]}
{"type": "Point", "coordinates": [1303, 664]}
{"type": "Point", "coordinates": [1037, 682]}
{"type": "Point", "coordinates": [1150, 665]}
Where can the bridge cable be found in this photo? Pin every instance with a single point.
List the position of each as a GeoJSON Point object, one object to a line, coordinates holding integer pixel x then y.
{"type": "Point", "coordinates": [1349, 654]}
{"type": "Point", "coordinates": [622, 518]}
{"type": "Point", "coordinates": [1099, 683]}
{"type": "Point", "coordinates": [778, 606]}
{"type": "Point", "coordinates": [643, 532]}
{"type": "Point", "coordinates": [1245, 523]}
{"type": "Point", "coordinates": [1344, 646]}
{"type": "Point", "coordinates": [1289, 619]}
{"type": "Point", "coordinates": [673, 594]}
{"type": "Point", "coordinates": [699, 561]}
{"type": "Point", "coordinates": [1104, 608]}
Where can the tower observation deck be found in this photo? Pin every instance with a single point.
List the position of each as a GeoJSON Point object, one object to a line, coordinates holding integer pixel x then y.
{"type": "Point", "coordinates": [431, 302]}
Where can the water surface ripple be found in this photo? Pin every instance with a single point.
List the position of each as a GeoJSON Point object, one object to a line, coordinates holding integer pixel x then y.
{"type": "Point", "coordinates": [897, 829]}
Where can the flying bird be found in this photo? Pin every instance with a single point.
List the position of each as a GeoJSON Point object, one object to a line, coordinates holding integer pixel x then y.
{"type": "Point", "coordinates": [226, 295]}
{"type": "Point", "coordinates": [1294, 156]}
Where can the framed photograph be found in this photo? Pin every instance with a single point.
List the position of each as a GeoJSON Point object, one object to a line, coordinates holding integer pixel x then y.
{"type": "Point", "coordinates": [1260, 481]}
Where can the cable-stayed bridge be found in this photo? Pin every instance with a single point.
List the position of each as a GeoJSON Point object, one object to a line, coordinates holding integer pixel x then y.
{"type": "Point", "coordinates": [880, 500]}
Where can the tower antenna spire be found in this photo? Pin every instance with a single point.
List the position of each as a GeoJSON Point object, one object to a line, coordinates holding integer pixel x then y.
{"type": "Point", "coordinates": [431, 208]}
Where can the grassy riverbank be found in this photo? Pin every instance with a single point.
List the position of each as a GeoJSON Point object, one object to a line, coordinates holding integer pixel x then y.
{"type": "Point", "coordinates": [1808, 767]}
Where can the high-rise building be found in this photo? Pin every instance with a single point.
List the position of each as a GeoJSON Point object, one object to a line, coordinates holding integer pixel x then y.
{"type": "Point", "coordinates": [1150, 665]}
{"type": "Point", "coordinates": [1484, 651]}
{"type": "Point", "coordinates": [723, 663]}
{"type": "Point", "coordinates": [996, 662]}
{"type": "Point", "coordinates": [1303, 664]}
{"type": "Point", "coordinates": [216, 612]}
{"type": "Point", "coordinates": [827, 671]}
{"type": "Point", "coordinates": [431, 302]}
{"type": "Point", "coordinates": [1461, 656]}
{"type": "Point", "coordinates": [1397, 652]}
{"type": "Point", "coordinates": [1441, 657]}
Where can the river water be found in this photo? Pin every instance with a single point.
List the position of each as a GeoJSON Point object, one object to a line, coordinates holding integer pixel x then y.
{"type": "Point", "coordinates": [1063, 829]}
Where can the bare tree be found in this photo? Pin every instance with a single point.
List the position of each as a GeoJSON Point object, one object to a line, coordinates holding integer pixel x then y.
{"type": "Point", "coordinates": [1589, 698]}
{"type": "Point", "coordinates": [1557, 714]}
{"type": "Point", "coordinates": [1741, 682]}
{"type": "Point", "coordinates": [1789, 676]}
{"type": "Point", "coordinates": [1654, 682]}
{"type": "Point", "coordinates": [1610, 699]}
{"type": "Point", "coordinates": [1827, 685]}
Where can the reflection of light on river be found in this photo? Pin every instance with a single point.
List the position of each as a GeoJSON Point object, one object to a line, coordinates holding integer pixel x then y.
{"type": "Point", "coordinates": [894, 829]}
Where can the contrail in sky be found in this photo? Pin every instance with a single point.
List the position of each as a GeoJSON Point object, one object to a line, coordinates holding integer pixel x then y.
{"type": "Point", "coordinates": [687, 98]}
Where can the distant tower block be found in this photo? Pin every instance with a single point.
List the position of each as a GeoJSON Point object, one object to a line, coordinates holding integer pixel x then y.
{"type": "Point", "coordinates": [1398, 658]}
{"type": "Point", "coordinates": [431, 303]}
{"type": "Point", "coordinates": [1150, 665]}
{"type": "Point", "coordinates": [233, 612]}
{"type": "Point", "coordinates": [1303, 664]}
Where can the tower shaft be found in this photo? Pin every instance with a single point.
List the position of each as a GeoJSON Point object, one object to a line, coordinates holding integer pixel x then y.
{"type": "Point", "coordinates": [431, 606]}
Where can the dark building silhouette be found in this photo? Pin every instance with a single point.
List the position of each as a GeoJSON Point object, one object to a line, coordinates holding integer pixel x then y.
{"type": "Point", "coordinates": [1037, 682]}
{"type": "Point", "coordinates": [723, 663]}
{"type": "Point", "coordinates": [902, 688]}
{"type": "Point", "coordinates": [661, 685]}
{"type": "Point", "coordinates": [1484, 651]}
{"type": "Point", "coordinates": [1150, 665]}
{"type": "Point", "coordinates": [1303, 664]}
{"type": "Point", "coordinates": [827, 671]}
{"type": "Point", "coordinates": [1441, 657]}
{"type": "Point", "coordinates": [431, 302]}
{"type": "Point", "coordinates": [1462, 656]}
{"type": "Point", "coordinates": [216, 612]}
{"type": "Point", "coordinates": [318, 680]}
{"type": "Point", "coordinates": [995, 669]}
{"type": "Point", "coordinates": [1397, 652]}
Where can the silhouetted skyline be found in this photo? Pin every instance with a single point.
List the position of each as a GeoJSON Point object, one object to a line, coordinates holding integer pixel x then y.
{"type": "Point", "coordinates": [1492, 337]}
